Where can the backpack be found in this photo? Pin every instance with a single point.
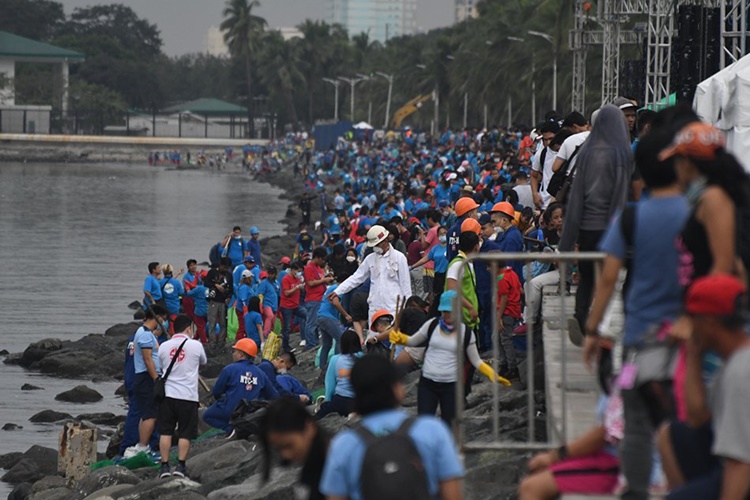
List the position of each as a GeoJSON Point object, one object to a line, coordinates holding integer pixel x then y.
{"type": "Point", "coordinates": [392, 467]}
{"type": "Point", "coordinates": [561, 181]}
{"type": "Point", "coordinates": [214, 255]}
{"type": "Point", "coordinates": [468, 335]}
{"type": "Point", "coordinates": [246, 416]}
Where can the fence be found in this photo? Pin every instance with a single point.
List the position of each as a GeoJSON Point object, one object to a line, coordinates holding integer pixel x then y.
{"type": "Point", "coordinates": [563, 260]}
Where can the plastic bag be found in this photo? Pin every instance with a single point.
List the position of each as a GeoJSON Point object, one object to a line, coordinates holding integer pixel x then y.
{"type": "Point", "coordinates": [233, 324]}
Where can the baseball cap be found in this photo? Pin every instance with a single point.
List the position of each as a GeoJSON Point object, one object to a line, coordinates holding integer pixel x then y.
{"type": "Point", "coordinates": [623, 103]}
{"type": "Point", "coordinates": [285, 260]}
{"type": "Point", "coordinates": [471, 225]}
{"type": "Point", "coordinates": [247, 273]}
{"type": "Point", "coordinates": [468, 189]}
{"type": "Point", "coordinates": [484, 219]}
{"type": "Point", "coordinates": [465, 205]}
{"type": "Point", "coordinates": [263, 274]}
{"type": "Point", "coordinates": [696, 140]}
{"type": "Point", "coordinates": [250, 258]}
{"type": "Point", "coordinates": [446, 300]}
{"type": "Point", "coordinates": [715, 295]}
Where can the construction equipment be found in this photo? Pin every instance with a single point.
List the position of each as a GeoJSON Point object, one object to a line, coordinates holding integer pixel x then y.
{"type": "Point", "coordinates": [409, 108]}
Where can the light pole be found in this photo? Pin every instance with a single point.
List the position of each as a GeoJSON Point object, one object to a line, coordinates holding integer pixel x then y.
{"type": "Point", "coordinates": [533, 87]}
{"type": "Point", "coordinates": [551, 40]}
{"type": "Point", "coordinates": [335, 84]}
{"type": "Point", "coordinates": [435, 99]}
{"type": "Point", "coordinates": [389, 78]}
{"type": "Point", "coordinates": [352, 82]}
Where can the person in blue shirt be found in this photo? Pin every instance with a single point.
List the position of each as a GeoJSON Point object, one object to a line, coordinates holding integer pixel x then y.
{"type": "Point", "coordinates": [269, 289]}
{"type": "Point", "coordinates": [465, 208]}
{"type": "Point", "coordinates": [250, 265]}
{"type": "Point", "coordinates": [509, 237]}
{"type": "Point", "coordinates": [379, 392]}
{"type": "Point", "coordinates": [254, 321]}
{"type": "Point", "coordinates": [291, 385]}
{"type": "Point", "coordinates": [329, 324]}
{"type": "Point", "coordinates": [152, 287]}
{"type": "Point", "coordinates": [172, 290]}
{"type": "Point", "coordinates": [253, 246]}
{"type": "Point", "coordinates": [484, 285]}
{"type": "Point", "coordinates": [199, 294]}
{"type": "Point", "coordinates": [130, 432]}
{"type": "Point", "coordinates": [339, 395]}
{"type": "Point", "coordinates": [237, 381]}
{"type": "Point", "coordinates": [334, 225]}
{"type": "Point", "coordinates": [283, 363]}
{"type": "Point", "coordinates": [233, 246]}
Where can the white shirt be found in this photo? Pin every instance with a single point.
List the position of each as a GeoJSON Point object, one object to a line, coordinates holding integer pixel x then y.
{"type": "Point", "coordinates": [182, 382]}
{"type": "Point", "coordinates": [389, 278]}
{"type": "Point", "coordinates": [525, 198]}
{"type": "Point", "coordinates": [569, 146]}
{"type": "Point", "coordinates": [440, 358]}
{"type": "Point", "coordinates": [546, 170]}
{"type": "Point", "coordinates": [452, 272]}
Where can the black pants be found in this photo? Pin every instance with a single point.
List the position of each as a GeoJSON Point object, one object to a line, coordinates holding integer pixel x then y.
{"type": "Point", "coordinates": [431, 394]}
{"type": "Point", "coordinates": [438, 286]}
{"type": "Point", "coordinates": [338, 404]}
{"type": "Point", "coordinates": [588, 241]}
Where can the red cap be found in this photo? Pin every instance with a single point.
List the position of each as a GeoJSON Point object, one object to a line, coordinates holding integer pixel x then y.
{"type": "Point", "coordinates": [263, 274]}
{"type": "Point", "coordinates": [696, 140]}
{"type": "Point", "coordinates": [432, 184]}
{"type": "Point", "coordinates": [285, 260]}
{"type": "Point", "coordinates": [714, 295]}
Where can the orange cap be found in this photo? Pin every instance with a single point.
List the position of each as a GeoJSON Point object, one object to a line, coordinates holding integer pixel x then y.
{"type": "Point", "coordinates": [696, 140]}
{"type": "Point", "coordinates": [248, 346]}
{"type": "Point", "coordinates": [504, 208]}
{"type": "Point", "coordinates": [471, 225]}
{"type": "Point", "coordinates": [379, 314]}
{"type": "Point", "coordinates": [464, 205]}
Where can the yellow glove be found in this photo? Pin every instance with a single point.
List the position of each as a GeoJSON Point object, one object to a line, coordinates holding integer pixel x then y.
{"type": "Point", "coordinates": [488, 372]}
{"type": "Point", "coordinates": [396, 337]}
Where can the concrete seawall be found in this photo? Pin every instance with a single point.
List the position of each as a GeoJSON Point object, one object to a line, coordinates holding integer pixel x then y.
{"type": "Point", "coordinates": [82, 148]}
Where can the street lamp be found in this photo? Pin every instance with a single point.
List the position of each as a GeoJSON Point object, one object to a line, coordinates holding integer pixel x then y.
{"type": "Point", "coordinates": [389, 78]}
{"type": "Point", "coordinates": [335, 84]}
{"type": "Point", "coordinates": [352, 82]}
{"type": "Point", "coordinates": [551, 40]}
{"type": "Point", "coordinates": [436, 101]}
{"type": "Point", "coordinates": [533, 87]}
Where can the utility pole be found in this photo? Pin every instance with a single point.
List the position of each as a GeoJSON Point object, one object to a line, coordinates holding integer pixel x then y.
{"type": "Point", "coordinates": [352, 82]}
{"type": "Point", "coordinates": [389, 78]}
{"type": "Point", "coordinates": [335, 84]}
{"type": "Point", "coordinates": [551, 40]}
{"type": "Point", "coordinates": [466, 108]}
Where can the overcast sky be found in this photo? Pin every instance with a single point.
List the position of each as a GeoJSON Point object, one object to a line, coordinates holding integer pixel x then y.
{"type": "Point", "coordinates": [184, 23]}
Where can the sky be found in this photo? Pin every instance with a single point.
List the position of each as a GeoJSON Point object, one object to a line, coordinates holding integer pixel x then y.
{"type": "Point", "coordinates": [184, 23]}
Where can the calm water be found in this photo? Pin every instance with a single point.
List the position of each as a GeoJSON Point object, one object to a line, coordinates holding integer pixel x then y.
{"type": "Point", "coordinates": [75, 241]}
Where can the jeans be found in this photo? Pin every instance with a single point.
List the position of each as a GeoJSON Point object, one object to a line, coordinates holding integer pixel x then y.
{"type": "Point", "coordinates": [338, 404]}
{"type": "Point", "coordinates": [507, 351]}
{"type": "Point", "coordinates": [311, 325]}
{"type": "Point", "coordinates": [432, 394]}
{"type": "Point", "coordinates": [287, 316]}
{"type": "Point", "coordinates": [636, 449]}
{"type": "Point", "coordinates": [330, 330]}
{"type": "Point", "coordinates": [588, 241]}
{"type": "Point", "coordinates": [217, 314]}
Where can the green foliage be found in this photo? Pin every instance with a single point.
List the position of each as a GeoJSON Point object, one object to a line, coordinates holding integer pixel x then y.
{"type": "Point", "coordinates": [35, 19]}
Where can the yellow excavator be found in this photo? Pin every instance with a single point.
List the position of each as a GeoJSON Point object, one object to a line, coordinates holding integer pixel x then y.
{"type": "Point", "coordinates": [409, 108]}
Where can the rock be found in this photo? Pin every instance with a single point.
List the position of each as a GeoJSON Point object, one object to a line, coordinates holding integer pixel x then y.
{"type": "Point", "coordinates": [13, 359]}
{"type": "Point", "coordinates": [8, 460]}
{"type": "Point", "coordinates": [11, 427]}
{"type": "Point", "coordinates": [4, 352]}
{"type": "Point", "coordinates": [105, 418]}
{"type": "Point", "coordinates": [29, 387]}
{"type": "Point", "coordinates": [69, 364]}
{"type": "Point", "coordinates": [25, 471]}
{"type": "Point", "coordinates": [39, 350]}
{"type": "Point", "coordinates": [146, 473]}
{"type": "Point", "coordinates": [103, 478]}
{"type": "Point", "coordinates": [333, 423]}
{"type": "Point", "coordinates": [279, 487]}
{"type": "Point", "coordinates": [47, 416]}
{"type": "Point", "coordinates": [121, 391]}
{"type": "Point", "coordinates": [122, 330]}
{"type": "Point", "coordinates": [20, 492]}
{"type": "Point", "coordinates": [45, 458]}
{"type": "Point", "coordinates": [220, 458]}
{"type": "Point", "coordinates": [108, 493]}
{"type": "Point", "coordinates": [79, 394]}
{"type": "Point", "coordinates": [156, 489]}
{"type": "Point", "coordinates": [184, 495]}
{"type": "Point", "coordinates": [48, 483]}
{"type": "Point", "coordinates": [113, 448]}
{"type": "Point", "coordinates": [53, 494]}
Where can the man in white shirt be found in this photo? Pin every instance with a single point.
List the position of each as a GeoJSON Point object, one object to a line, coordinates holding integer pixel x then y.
{"type": "Point", "coordinates": [180, 406]}
{"type": "Point", "coordinates": [523, 189]}
{"type": "Point", "coordinates": [542, 174]}
{"type": "Point", "coordinates": [581, 129]}
{"type": "Point", "coordinates": [387, 270]}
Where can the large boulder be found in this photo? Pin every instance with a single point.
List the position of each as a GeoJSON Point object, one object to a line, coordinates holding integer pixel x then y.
{"type": "Point", "coordinates": [68, 364]}
{"type": "Point", "coordinates": [39, 350]}
{"type": "Point", "coordinates": [53, 494]}
{"type": "Point", "coordinates": [48, 483]}
{"type": "Point", "coordinates": [280, 486]}
{"type": "Point", "coordinates": [24, 471]}
{"type": "Point", "coordinates": [79, 394]}
{"type": "Point", "coordinates": [106, 418]}
{"type": "Point", "coordinates": [109, 493]}
{"type": "Point", "coordinates": [122, 330]}
{"type": "Point", "coordinates": [103, 478]}
{"type": "Point", "coordinates": [45, 458]}
{"type": "Point", "coordinates": [8, 460]}
{"type": "Point", "coordinates": [157, 489]}
{"type": "Point", "coordinates": [221, 458]}
{"type": "Point", "coordinates": [47, 416]}
{"type": "Point", "coordinates": [20, 492]}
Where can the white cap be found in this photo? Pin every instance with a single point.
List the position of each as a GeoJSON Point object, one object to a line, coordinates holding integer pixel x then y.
{"type": "Point", "coordinates": [247, 273]}
{"type": "Point", "coordinates": [375, 235]}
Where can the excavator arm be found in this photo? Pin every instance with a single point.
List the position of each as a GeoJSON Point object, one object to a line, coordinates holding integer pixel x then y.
{"type": "Point", "coordinates": [409, 108]}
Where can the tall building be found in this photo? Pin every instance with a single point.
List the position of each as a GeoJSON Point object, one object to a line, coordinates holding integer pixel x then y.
{"type": "Point", "coordinates": [466, 9]}
{"type": "Point", "coordinates": [380, 19]}
{"type": "Point", "coordinates": [214, 42]}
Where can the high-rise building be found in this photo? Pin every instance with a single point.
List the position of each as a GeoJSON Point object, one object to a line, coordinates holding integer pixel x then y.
{"type": "Point", "coordinates": [214, 42]}
{"type": "Point", "coordinates": [380, 19]}
{"type": "Point", "coordinates": [466, 9]}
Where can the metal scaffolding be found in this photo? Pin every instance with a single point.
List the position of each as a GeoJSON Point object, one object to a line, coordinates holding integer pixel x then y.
{"type": "Point", "coordinates": [733, 31]}
{"type": "Point", "coordinates": [659, 50]}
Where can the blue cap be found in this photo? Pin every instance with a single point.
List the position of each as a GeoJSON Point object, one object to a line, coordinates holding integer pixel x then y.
{"type": "Point", "coordinates": [446, 301]}
{"type": "Point", "coordinates": [254, 230]}
{"type": "Point", "coordinates": [250, 258]}
{"type": "Point", "coordinates": [443, 204]}
{"type": "Point", "coordinates": [485, 219]}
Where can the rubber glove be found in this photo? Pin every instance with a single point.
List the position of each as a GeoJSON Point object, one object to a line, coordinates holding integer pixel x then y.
{"type": "Point", "coordinates": [488, 372]}
{"type": "Point", "coordinates": [396, 337]}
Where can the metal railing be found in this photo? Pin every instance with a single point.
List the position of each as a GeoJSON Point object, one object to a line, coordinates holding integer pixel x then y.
{"type": "Point", "coordinates": [494, 259]}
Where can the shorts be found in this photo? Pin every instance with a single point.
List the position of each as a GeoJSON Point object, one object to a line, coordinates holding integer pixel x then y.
{"type": "Point", "coordinates": [358, 307]}
{"type": "Point", "coordinates": [143, 390]}
{"type": "Point", "coordinates": [692, 449]}
{"type": "Point", "coordinates": [181, 414]}
{"type": "Point", "coordinates": [595, 474]}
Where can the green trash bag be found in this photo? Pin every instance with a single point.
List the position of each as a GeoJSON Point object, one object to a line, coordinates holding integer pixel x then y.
{"type": "Point", "coordinates": [330, 353]}
{"type": "Point", "coordinates": [233, 324]}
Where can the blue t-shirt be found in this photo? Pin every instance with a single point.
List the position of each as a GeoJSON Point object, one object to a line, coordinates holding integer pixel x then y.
{"type": "Point", "coordinates": [290, 385]}
{"type": "Point", "coordinates": [437, 255]}
{"type": "Point", "coordinates": [334, 224]}
{"type": "Point", "coordinates": [326, 308]}
{"type": "Point", "coordinates": [654, 295]}
{"type": "Point", "coordinates": [343, 468]}
{"type": "Point", "coordinates": [252, 319]}
{"type": "Point", "coordinates": [338, 379]}
{"type": "Point", "coordinates": [244, 294]}
{"type": "Point", "coordinates": [199, 294]}
{"type": "Point", "coordinates": [235, 251]}
{"type": "Point", "coordinates": [152, 286]}
{"type": "Point", "coordinates": [145, 339]}
{"type": "Point", "coordinates": [269, 290]}
{"type": "Point", "coordinates": [253, 248]}
{"type": "Point", "coordinates": [172, 291]}
{"type": "Point", "coordinates": [237, 275]}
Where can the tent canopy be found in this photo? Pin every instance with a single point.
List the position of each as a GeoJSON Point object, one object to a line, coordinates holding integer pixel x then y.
{"type": "Point", "coordinates": [363, 126]}
{"type": "Point", "coordinates": [208, 107]}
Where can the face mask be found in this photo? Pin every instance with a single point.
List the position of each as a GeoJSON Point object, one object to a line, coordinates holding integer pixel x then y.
{"type": "Point", "coordinates": [442, 239]}
{"type": "Point", "coordinates": [281, 371]}
{"type": "Point", "coordinates": [351, 258]}
{"type": "Point", "coordinates": [445, 326]}
{"type": "Point", "coordinates": [237, 237]}
{"type": "Point", "coordinates": [165, 325]}
{"type": "Point", "coordinates": [499, 229]}
{"type": "Point", "coordinates": [378, 250]}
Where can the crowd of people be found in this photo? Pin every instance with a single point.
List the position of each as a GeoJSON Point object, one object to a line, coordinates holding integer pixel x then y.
{"type": "Point", "coordinates": [373, 284]}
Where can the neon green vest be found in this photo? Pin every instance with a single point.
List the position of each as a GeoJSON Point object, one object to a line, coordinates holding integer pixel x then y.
{"type": "Point", "coordinates": [468, 290]}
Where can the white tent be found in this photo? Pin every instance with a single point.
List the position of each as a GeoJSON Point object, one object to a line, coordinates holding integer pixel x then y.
{"type": "Point", "coordinates": [723, 100]}
{"type": "Point", "coordinates": [363, 126]}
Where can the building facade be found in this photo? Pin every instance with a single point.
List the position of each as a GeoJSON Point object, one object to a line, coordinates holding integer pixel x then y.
{"type": "Point", "coordinates": [466, 9]}
{"type": "Point", "coordinates": [380, 19]}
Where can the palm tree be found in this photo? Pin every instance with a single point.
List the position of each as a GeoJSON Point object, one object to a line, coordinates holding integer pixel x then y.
{"type": "Point", "coordinates": [279, 64]}
{"type": "Point", "coordinates": [242, 33]}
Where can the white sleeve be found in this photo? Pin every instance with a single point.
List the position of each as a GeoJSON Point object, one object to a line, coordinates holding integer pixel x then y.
{"type": "Point", "coordinates": [536, 160]}
{"type": "Point", "coordinates": [566, 149]}
{"type": "Point", "coordinates": [453, 271]}
{"type": "Point", "coordinates": [404, 277]}
{"type": "Point", "coordinates": [356, 279]}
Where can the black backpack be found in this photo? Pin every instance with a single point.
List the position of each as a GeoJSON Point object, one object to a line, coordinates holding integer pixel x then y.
{"type": "Point", "coordinates": [468, 336]}
{"type": "Point", "coordinates": [562, 179]}
{"type": "Point", "coordinates": [392, 467]}
{"type": "Point", "coordinates": [214, 255]}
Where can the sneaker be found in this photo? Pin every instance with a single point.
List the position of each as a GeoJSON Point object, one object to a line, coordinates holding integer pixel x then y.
{"type": "Point", "coordinates": [180, 471]}
{"type": "Point", "coordinates": [136, 449]}
{"type": "Point", "coordinates": [318, 402]}
{"type": "Point", "coordinates": [303, 343]}
{"type": "Point", "coordinates": [574, 332]}
{"type": "Point", "coordinates": [165, 471]}
{"type": "Point", "coordinates": [230, 435]}
{"type": "Point", "coordinates": [521, 329]}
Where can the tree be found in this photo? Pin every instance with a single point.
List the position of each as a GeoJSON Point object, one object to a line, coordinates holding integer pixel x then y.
{"type": "Point", "coordinates": [242, 34]}
{"type": "Point", "coordinates": [35, 19]}
{"type": "Point", "coordinates": [279, 64]}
